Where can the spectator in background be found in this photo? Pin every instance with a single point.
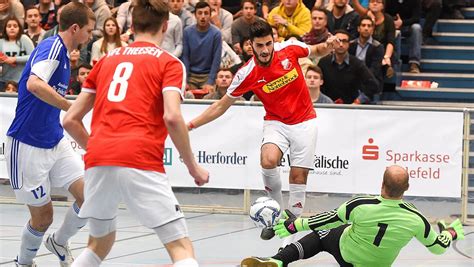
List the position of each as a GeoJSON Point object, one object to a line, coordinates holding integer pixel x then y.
{"type": "Point", "coordinates": [55, 29]}
{"type": "Point", "coordinates": [74, 58]}
{"type": "Point", "coordinates": [34, 30]}
{"type": "Point", "coordinates": [16, 48]}
{"type": "Point", "coordinates": [109, 42]}
{"type": "Point", "coordinates": [267, 6]}
{"type": "Point", "coordinates": [102, 12]}
{"type": "Point", "coordinates": [124, 20]}
{"type": "Point", "coordinates": [11, 8]}
{"type": "Point", "coordinates": [319, 32]}
{"type": "Point", "coordinates": [240, 26]}
{"type": "Point", "coordinates": [202, 50]}
{"type": "Point", "coordinates": [345, 75]}
{"type": "Point", "coordinates": [432, 10]}
{"type": "Point", "coordinates": [291, 17]}
{"type": "Point", "coordinates": [173, 39]}
{"type": "Point", "coordinates": [247, 51]}
{"type": "Point", "coordinates": [48, 14]}
{"type": "Point", "coordinates": [233, 6]}
{"type": "Point", "coordinates": [75, 85]}
{"type": "Point", "coordinates": [342, 16]}
{"type": "Point", "coordinates": [223, 81]}
{"type": "Point", "coordinates": [177, 8]}
{"type": "Point", "coordinates": [367, 49]}
{"type": "Point", "coordinates": [314, 80]}
{"type": "Point", "coordinates": [222, 19]}
{"type": "Point", "coordinates": [323, 3]}
{"type": "Point", "coordinates": [406, 16]}
{"type": "Point", "coordinates": [11, 87]}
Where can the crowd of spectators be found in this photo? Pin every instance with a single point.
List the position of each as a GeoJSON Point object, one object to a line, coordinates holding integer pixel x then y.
{"type": "Point", "coordinates": [211, 38]}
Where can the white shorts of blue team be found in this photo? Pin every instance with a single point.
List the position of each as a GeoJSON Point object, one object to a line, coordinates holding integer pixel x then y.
{"type": "Point", "coordinates": [299, 138]}
{"type": "Point", "coordinates": [34, 171]}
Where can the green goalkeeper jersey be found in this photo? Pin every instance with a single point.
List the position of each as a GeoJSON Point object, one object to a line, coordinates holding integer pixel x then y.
{"type": "Point", "coordinates": [379, 229]}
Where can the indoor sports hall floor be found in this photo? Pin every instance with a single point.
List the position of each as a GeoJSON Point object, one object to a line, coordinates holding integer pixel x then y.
{"type": "Point", "coordinates": [219, 240]}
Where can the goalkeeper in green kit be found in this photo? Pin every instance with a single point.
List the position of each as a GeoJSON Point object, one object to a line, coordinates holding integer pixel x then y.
{"type": "Point", "coordinates": [364, 231]}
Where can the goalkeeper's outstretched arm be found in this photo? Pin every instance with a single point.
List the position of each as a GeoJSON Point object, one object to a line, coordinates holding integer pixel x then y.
{"type": "Point", "coordinates": [439, 243]}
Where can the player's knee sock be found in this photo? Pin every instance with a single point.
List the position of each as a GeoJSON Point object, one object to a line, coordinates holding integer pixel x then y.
{"type": "Point", "coordinates": [304, 248]}
{"type": "Point", "coordinates": [30, 243]}
{"type": "Point", "coordinates": [272, 182]}
{"type": "Point", "coordinates": [297, 198]}
{"type": "Point", "coordinates": [87, 258]}
{"type": "Point", "coordinates": [71, 225]}
{"type": "Point", "coordinates": [189, 262]}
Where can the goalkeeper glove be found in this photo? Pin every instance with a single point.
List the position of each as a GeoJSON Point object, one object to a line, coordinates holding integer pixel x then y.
{"type": "Point", "coordinates": [289, 225]}
{"type": "Point", "coordinates": [454, 229]}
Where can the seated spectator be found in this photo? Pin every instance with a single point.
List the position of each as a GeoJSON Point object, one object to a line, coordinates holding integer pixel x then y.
{"type": "Point", "coordinates": [16, 48]}
{"type": "Point", "coordinates": [267, 6]}
{"type": "Point", "coordinates": [11, 87]}
{"type": "Point", "coordinates": [222, 19]}
{"type": "Point", "coordinates": [102, 12]}
{"type": "Point", "coordinates": [74, 59]}
{"type": "Point", "coordinates": [202, 50]}
{"type": "Point", "coordinates": [55, 29]}
{"type": "Point", "coordinates": [314, 80]}
{"type": "Point", "coordinates": [34, 30]}
{"type": "Point", "coordinates": [223, 81]}
{"type": "Point", "coordinates": [47, 10]}
{"type": "Point", "coordinates": [240, 26]}
{"type": "Point", "coordinates": [291, 17]}
{"type": "Point", "coordinates": [319, 32]}
{"type": "Point", "coordinates": [109, 42]}
{"type": "Point", "coordinates": [345, 76]}
{"type": "Point", "coordinates": [11, 8]}
{"type": "Point", "coordinates": [177, 8]}
{"type": "Point", "coordinates": [247, 51]}
{"type": "Point", "coordinates": [173, 39]}
{"type": "Point", "coordinates": [406, 16]}
{"type": "Point", "coordinates": [367, 49]}
{"type": "Point", "coordinates": [75, 86]}
{"type": "Point", "coordinates": [124, 21]}
{"type": "Point", "coordinates": [341, 16]}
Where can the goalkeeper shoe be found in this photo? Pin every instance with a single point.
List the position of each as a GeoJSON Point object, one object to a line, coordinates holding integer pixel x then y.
{"type": "Point", "coordinates": [267, 233]}
{"type": "Point", "coordinates": [261, 262]}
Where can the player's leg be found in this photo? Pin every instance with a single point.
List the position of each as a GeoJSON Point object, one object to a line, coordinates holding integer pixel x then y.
{"type": "Point", "coordinates": [67, 172]}
{"type": "Point", "coordinates": [151, 200]}
{"type": "Point", "coordinates": [269, 159]}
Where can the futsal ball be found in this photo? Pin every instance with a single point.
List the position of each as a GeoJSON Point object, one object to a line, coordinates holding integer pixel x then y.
{"type": "Point", "coordinates": [264, 212]}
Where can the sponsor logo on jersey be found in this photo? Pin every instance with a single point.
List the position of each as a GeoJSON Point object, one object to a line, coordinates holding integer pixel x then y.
{"type": "Point", "coordinates": [280, 82]}
{"type": "Point", "coordinates": [286, 64]}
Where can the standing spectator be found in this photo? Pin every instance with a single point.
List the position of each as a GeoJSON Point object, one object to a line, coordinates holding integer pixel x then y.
{"type": "Point", "coordinates": [223, 80]}
{"type": "Point", "coordinates": [240, 26]}
{"type": "Point", "coordinates": [102, 12]}
{"type": "Point", "coordinates": [48, 14]}
{"type": "Point", "coordinates": [177, 8]}
{"type": "Point", "coordinates": [319, 32]}
{"type": "Point", "coordinates": [291, 17]}
{"type": "Point", "coordinates": [406, 16]}
{"type": "Point", "coordinates": [15, 48]}
{"type": "Point", "coordinates": [345, 76]}
{"type": "Point", "coordinates": [173, 41]}
{"type": "Point", "coordinates": [342, 16]}
{"type": "Point", "coordinates": [367, 49]}
{"type": "Point", "coordinates": [202, 50]}
{"type": "Point", "coordinates": [11, 8]}
{"type": "Point", "coordinates": [109, 42]}
{"type": "Point", "coordinates": [222, 19]}
{"type": "Point", "coordinates": [314, 80]}
{"type": "Point", "coordinates": [34, 30]}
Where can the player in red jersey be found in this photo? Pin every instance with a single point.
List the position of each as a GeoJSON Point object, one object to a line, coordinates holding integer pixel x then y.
{"type": "Point", "coordinates": [136, 93]}
{"type": "Point", "coordinates": [274, 75]}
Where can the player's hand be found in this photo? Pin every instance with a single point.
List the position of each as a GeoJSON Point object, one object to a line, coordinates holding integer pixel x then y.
{"type": "Point", "coordinates": [455, 229]}
{"type": "Point", "coordinates": [288, 225]}
{"type": "Point", "coordinates": [200, 175]}
{"type": "Point", "coordinates": [210, 88]}
{"type": "Point", "coordinates": [332, 41]}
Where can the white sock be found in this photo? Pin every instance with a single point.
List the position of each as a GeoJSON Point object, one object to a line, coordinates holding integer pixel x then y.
{"type": "Point", "coordinates": [189, 262]}
{"type": "Point", "coordinates": [30, 243]}
{"type": "Point", "coordinates": [297, 198]}
{"type": "Point", "coordinates": [272, 182]}
{"type": "Point", "coordinates": [87, 258]}
{"type": "Point", "coordinates": [71, 225]}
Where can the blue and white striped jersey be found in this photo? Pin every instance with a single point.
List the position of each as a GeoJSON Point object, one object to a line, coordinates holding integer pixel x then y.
{"type": "Point", "coordinates": [37, 123]}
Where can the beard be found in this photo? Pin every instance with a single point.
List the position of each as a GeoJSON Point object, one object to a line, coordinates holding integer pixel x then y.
{"type": "Point", "coordinates": [261, 63]}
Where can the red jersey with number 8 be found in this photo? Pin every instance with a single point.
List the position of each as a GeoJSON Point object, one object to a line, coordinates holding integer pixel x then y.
{"type": "Point", "coordinates": [127, 126]}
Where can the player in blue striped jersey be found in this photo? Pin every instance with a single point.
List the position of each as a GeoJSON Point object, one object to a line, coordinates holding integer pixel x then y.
{"type": "Point", "coordinates": [38, 156]}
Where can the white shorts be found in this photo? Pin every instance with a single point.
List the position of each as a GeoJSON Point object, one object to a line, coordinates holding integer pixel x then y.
{"type": "Point", "coordinates": [299, 138]}
{"type": "Point", "coordinates": [147, 194]}
{"type": "Point", "coordinates": [33, 171]}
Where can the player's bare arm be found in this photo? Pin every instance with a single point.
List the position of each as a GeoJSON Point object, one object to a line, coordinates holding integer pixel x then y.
{"type": "Point", "coordinates": [72, 122]}
{"type": "Point", "coordinates": [45, 92]}
{"type": "Point", "coordinates": [213, 112]}
{"type": "Point", "coordinates": [322, 49]}
{"type": "Point", "coordinates": [179, 135]}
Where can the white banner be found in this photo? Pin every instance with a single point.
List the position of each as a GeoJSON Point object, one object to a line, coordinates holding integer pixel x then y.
{"type": "Point", "coordinates": [352, 151]}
